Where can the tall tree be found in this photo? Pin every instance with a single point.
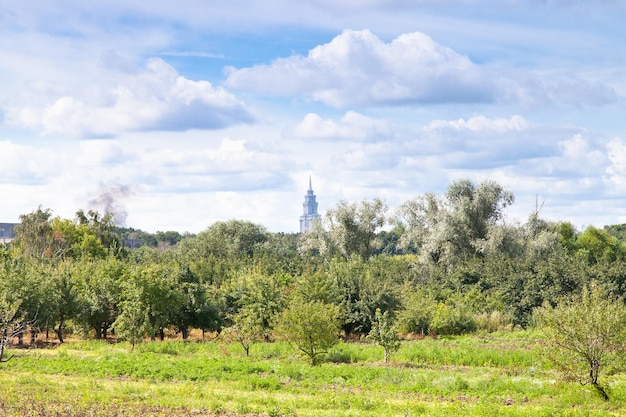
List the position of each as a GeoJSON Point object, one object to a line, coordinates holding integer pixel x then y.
{"type": "Point", "coordinates": [33, 235]}
{"type": "Point", "coordinates": [348, 229]}
{"type": "Point", "coordinates": [100, 293]}
{"type": "Point", "coordinates": [446, 230]}
{"type": "Point", "coordinates": [230, 239]}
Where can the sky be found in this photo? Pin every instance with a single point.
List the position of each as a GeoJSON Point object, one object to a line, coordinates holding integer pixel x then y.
{"type": "Point", "coordinates": [175, 115]}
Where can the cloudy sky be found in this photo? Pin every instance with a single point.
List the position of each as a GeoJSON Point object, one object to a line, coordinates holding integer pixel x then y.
{"type": "Point", "coordinates": [175, 115]}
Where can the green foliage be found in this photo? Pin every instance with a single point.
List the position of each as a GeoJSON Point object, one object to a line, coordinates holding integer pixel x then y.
{"type": "Point", "coordinates": [12, 321]}
{"type": "Point", "coordinates": [452, 320]}
{"type": "Point", "coordinates": [133, 322]}
{"type": "Point", "coordinates": [99, 293]}
{"type": "Point", "coordinates": [246, 329]}
{"type": "Point", "coordinates": [567, 236]}
{"type": "Point", "coordinates": [416, 315]}
{"type": "Point", "coordinates": [384, 334]}
{"type": "Point", "coordinates": [362, 288]}
{"type": "Point", "coordinates": [447, 230]}
{"type": "Point", "coordinates": [585, 335]}
{"type": "Point", "coordinates": [499, 375]}
{"type": "Point", "coordinates": [160, 293]}
{"type": "Point", "coordinates": [348, 230]}
{"type": "Point", "coordinates": [231, 239]}
{"type": "Point", "coordinates": [597, 245]}
{"type": "Point", "coordinates": [257, 297]}
{"type": "Point", "coordinates": [33, 236]}
{"type": "Point", "coordinates": [311, 326]}
{"type": "Point", "coordinates": [317, 286]}
{"type": "Point", "coordinates": [63, 302]}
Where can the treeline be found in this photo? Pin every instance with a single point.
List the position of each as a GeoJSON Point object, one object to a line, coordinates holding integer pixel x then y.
{"type": "Point", "coordinates": [439, 264]}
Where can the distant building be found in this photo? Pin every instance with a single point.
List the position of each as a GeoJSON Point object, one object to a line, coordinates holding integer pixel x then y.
{"type": "Point", "coordinates": [7, 232]}
{"type": "Point", "coordinates": [309, 212]}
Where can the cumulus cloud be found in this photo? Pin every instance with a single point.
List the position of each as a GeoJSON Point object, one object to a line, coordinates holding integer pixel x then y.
{"type": "Point", "coordinates": [234, 165]}
{"type": "Point", "coordinates": [616, 170]}
{"type": "Point", "coordinates": [154, 98]}
{"type": "Point", "coordinates": [479, 124]}
{"type": "Point", "coordinates": [352, 125]}
{"type": "Point", "coordinates": [358, 68]}
{"type": "Point", "coordinates": [24, 164]}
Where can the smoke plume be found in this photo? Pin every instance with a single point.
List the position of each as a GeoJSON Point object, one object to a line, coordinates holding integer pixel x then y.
{"type": "Point", "coordinates": [111, 200]}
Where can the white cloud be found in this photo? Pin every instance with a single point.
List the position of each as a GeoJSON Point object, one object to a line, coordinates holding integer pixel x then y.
{"type": "Point", "coordinates": [154, 98]}
{"type": "Point", "coordinates": [356, 67]}
{"type": "Point", "coordinates": [616, 171]}
{"type": "Point", "coordinates": [26, 164]}
{"type": "Point", "coordinates": [480, 124]}
{"type": "Point", "coordinates": [352, 125]}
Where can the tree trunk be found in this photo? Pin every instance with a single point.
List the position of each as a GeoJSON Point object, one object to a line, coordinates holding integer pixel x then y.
{"type": "Point", "coordinates": [601, 391]}
{"type": "Point", "coordinates": [3, 341]}
{"type": "Point", "coordinates": [594, 372]}
{"type": "Point", "coordinates": [59, 332]}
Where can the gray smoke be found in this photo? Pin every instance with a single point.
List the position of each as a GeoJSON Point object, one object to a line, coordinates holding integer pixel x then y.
{"type": "Point", "coordinates": [111, 200]}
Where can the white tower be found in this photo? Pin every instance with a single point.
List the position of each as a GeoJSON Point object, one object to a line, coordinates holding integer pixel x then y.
{"type": "Point", "coordinates": [309, 210]}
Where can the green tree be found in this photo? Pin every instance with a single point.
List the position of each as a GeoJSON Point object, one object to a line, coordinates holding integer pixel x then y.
{"type": "Point", "coordinates": [33, 235]}
{"type": "Point", "coordinates": [100, 293]}
{"type": "Point", "coordinates": [63, 304]}
{"type": "Point", "coordinates": [384, 334]}
{"type": "Point", "coordinates": [585, 335]}
{"type": "Point", "coordinates": [132, 323]}
{"type": "Point", "coordinates": [362, 288]}
{"type": "Point", "coordinates": [161, 294]}
{"type": "Point", "coordinates": [452, 319]}
{"type": "Point", "coordinates": [258, 298]}
{"type": "Point", "coordinates": [102, 227]}
{"type": "Point", "coordinates": [12, 322]}
{"type": "Point", "coordinates": [246, 328]}
{"type": "Point", "coordinates": [416, 315]}
{"type": "Point", "coordinates": [196, 310]}
{"type": "Point", "coordinates": [598, 245]}
{"type": "Point", "coordinates": [349, 229]}
{"type": "Point", "coordinates": [447, 230]}
{"type": "Point", "coordinates": [312, 327]}
{"type": "Point", "coordinates": [230, 239]}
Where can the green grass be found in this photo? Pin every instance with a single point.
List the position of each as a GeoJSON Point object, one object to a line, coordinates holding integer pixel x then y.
{"type": "Point", "coordinates": [493, 375]}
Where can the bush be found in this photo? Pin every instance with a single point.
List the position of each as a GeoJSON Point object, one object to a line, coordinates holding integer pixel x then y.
{"type": "Point", "coordinates": [417, 315]}
{"type": "Point", "coordinates": [312, 327]}
{"type": "Point", "coordinates": [452, 320]}
{"type": "Point", "coordinates": [493, 322]}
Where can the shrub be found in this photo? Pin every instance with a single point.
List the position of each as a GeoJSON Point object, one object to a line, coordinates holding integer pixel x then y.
{"type": "Point", "coordinates": [312, 327]}
{"type": "Point", "coordinates": [452, 320]}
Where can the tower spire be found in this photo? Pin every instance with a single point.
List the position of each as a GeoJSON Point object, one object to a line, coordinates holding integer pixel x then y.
{"type": "Point", "coordinates": [309, 209]}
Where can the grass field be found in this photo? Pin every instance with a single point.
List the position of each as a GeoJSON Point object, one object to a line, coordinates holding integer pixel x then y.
{"type": "Point", "coordinates": [494, 375]}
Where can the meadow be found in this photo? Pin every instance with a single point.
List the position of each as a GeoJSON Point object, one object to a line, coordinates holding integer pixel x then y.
{"type": "Point", "coordinates": [500, 374]}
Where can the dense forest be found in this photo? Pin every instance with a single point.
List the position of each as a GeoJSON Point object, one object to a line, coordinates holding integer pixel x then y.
{"type": "Point", "coordinates": [439, 264]}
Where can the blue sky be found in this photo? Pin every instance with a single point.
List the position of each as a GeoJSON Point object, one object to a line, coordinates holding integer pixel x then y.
{"type": "Point", "coordinates": [178, 115]}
